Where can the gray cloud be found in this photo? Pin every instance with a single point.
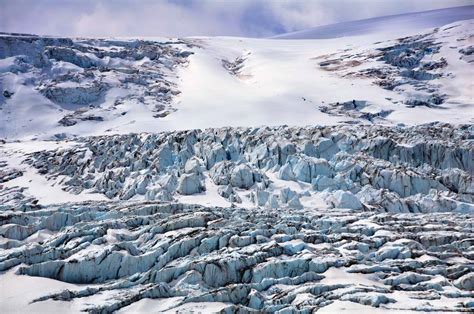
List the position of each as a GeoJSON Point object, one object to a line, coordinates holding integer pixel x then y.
{"type": "Point", "coordinates": [253, 18]}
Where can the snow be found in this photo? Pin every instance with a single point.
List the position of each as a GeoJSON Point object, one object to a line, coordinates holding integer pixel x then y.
{"type": "Point", "coordinates": [17, 292]}
{"type": "Point", "coordinates": [355, 308]}
{"type": "Point", "coordinates": [257, 216]}
{"type": "Point", "coordinates": [395, 24]}
{"type": "Point", "coordinates": [199, 307]}
{"type": "Point", "coordinates": [152, 305]}
{"type": "Point", "coordinates": [208, 197]}
{"type": "Point", "coordinates": [277, 82]}
{"type": "Point", "coordinates": [38, 185]}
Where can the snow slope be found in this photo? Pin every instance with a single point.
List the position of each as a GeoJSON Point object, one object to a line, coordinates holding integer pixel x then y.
{"type": "Point", "coordinates": [216, 82]}
{"type": "Point", "coordinates": [394, 24]}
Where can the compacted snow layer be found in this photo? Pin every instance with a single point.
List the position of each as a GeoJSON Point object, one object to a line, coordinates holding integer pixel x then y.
{"type": "Point", "coordinates": [293, 219]}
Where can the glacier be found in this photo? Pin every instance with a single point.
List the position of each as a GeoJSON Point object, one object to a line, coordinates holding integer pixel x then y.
{"type": "Point", "coordinates": [328, 174]}
{"type": "Point", "coordinates": [396, 209]}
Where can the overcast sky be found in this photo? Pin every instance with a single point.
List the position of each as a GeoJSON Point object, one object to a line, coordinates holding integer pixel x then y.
{"type": "Point", "coordinates": [250, 18]}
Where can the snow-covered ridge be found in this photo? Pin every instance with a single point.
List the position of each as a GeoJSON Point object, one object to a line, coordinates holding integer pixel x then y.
{"type": "Point", "coordinates": [408, 22]}
{"type": "Point", "coordinates": [61, 87]}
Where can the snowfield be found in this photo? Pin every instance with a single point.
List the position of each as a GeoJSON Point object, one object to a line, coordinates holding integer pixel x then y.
{"type": "Point", "coordinates": [60, 87]}
{"type": "Point", "coordinates": [333, 173]}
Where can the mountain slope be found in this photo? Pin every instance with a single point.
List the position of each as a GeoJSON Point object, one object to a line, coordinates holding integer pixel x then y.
{"type": "Point", "coordinates": [393, 24]}
{"type": "Point", "coordinates": [59, 87]}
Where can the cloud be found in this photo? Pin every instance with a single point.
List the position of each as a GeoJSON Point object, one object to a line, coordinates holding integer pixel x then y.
{"type": "Point", "coordinates": [151, 19]}
{"type": "Point", "coordinates": [252, 18]}
{"type": "Point", "coordinates": [301, 14]}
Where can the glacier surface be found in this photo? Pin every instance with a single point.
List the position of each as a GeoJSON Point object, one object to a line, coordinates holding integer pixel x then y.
{"type": "Point", "coordinates": [331, 174]}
